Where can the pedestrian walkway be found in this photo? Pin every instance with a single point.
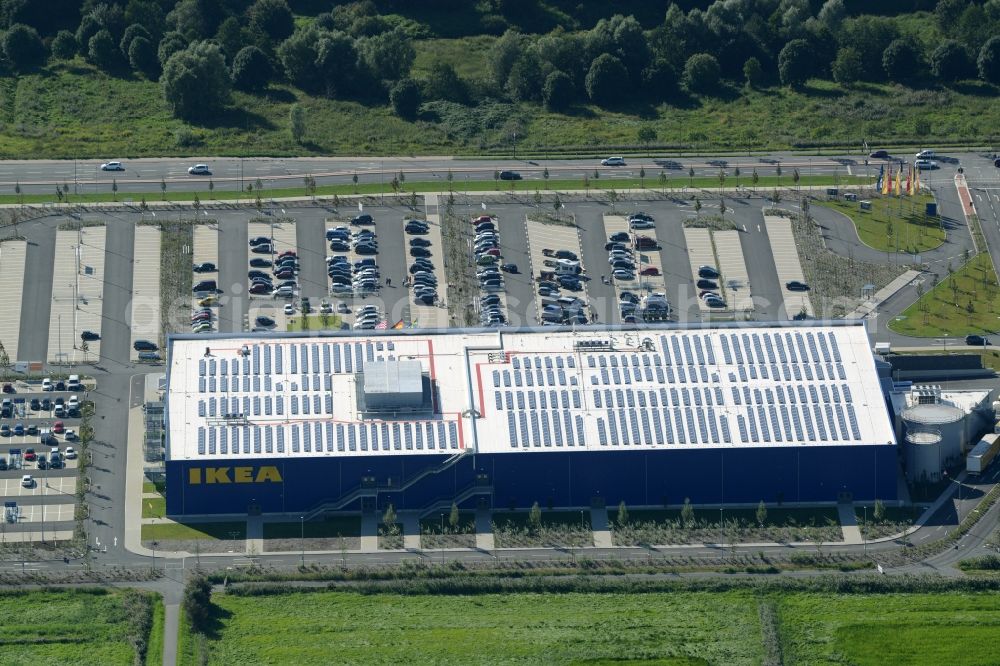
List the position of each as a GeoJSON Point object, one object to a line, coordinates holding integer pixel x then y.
{"type": "Point", "coordinates": [145, 286]}
{"type": "Point", "coordinates": [786, 261]}
{"type": "Point", "coordinates": [484, 530]}
{"type": "Point", "coordinates": [599, 525]}
{"type": "Point", "coordinates": [883, 294]}
{"type": "Point", "coordinates": [255, 535]}
{"type": "Point", "coordinates": [12, 256]}
{"type": "Point", "coordinates": [171, 625]}
{"type": "Point", "coordinates": [411, 529]}
{"type": "Point", "coordinates": [849, 524]}
{"type": "Point", "coordinates": [369, 532]}
{"type": "Point", "coordinates": [733, 268]}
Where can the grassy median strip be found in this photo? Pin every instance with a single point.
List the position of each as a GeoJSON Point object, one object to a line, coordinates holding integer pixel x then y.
{"type": "Point", "coordinates": [675, 185]}
{"type": "Point", "coordinates": [188, 531]}
{"type": "Point", "coordinates": [176, 246]}
{"type": "Point", "coordinates": [967, 301]}
{"type": "Point", "coordinates": [894, 224]}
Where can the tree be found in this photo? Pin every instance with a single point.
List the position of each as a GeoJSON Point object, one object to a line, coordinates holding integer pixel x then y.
{"type": "Point", "coordinates": [196, 81]}
{"type": "Point", "coordinates": [879, 511]}
{"type": "Point", "coordinates": [761, 514]}
{"type": "Point", "coordinates": [642, 177]}
{"type": "Point", "coordinates": [23, 47]}
{"type": "Point", "coordinates": [832, 13]}
{"type": "Point", "coordinates": [64, 45]}
{"type": "Point", "coordinates": [526, 80]}
{"type": "Point", "coordinates": [902, 60]}
{"type": "Point", "coordinates": [951, 61]}
{"type": "Point", "coordinates": [444, 83]}
{"type": "Point", "coordinates": [388, 56]}
{"type": "Point", "coordinates": [103, 52]}
{"type": "Point", "coordinates": [389, 519]}
{"type": "Point", "coordinates": [755, 178]}
{"type": "Point", "coordinates": [503, 54]}
{"type": "Point", "coordinates": [701, 73]}
{"type": "Point", "coordinates": [272, 18]}
{"type": "Point", "coordinates": [847, 68]}
{"type": "Point", "coordinates": [753, 72]}
{"type": "Point", "coordinates": [405, 98]}
{"type": "Point", "coordinates": [557, 91]}
{"type": "Point", "coordinates": [606, 79]}
{"type": "Point", "coordinates": [690, 176]}
{"type": "Point", "coordinates": [535, 516]}
{"type": "Point", "coordinates": [142, 57]}
{"type": "Point", "coordinates": [171, 43]}
{"type": "Point", "coordinates": [622, 519]}
{"type": "Point", "coordinates": [131, 32]}
{"type": "Point", "coordinates": [988, 61]}
{"type": "Point", "coordinates": [646, 135]}
{"type": "Point", "coordinates": [662, 178]}
{"type": "Point", "coordinates": [687, 513]}
{"type": "Point", "coordinates": [251, 69]}
{"type": "Point", "coordinates": [796, 63]}
{"type": "Point", "coordinates": [545, 177]}
{"type": "Point", "coordinates": [114, 188]}
{"type": "Point", "coordinates": [163, 189]}
{"type": "Point", "coordinates": [947, 13]}
{"type": "Point", "coordinates": [697, 207]}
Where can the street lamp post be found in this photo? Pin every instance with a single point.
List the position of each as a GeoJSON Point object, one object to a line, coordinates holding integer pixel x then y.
{"type": "Point", "coordinates": [302, 539]}
{"type": "Point", "coordinates": [155, 544]}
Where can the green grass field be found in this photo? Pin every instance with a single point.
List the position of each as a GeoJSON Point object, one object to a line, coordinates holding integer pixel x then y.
{"type": "Point", "coordinates": [966, 302]}
{"type": "Point", "coordinates": [123, 117]}
{"type": "Point", "coordinates": [311, 322]}
{"type": "Point", "coordinates": [676, 628]}
{"type": "Point", "coordinates": [154, 507]}
{"type": "Point", "coordinates": [63, 627]}
{"type": "Point", "coordinates": [522, 628]}
{"type": "Point", "coordinates": [182, 531]}
{"type": "Point", "coordinates": [893, 223]}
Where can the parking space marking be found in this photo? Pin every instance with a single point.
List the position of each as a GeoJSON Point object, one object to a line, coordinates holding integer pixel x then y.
{"type": "Point", "coordinates": [283, 235]}
{"type": "Point", "coordinates": [700, 253]}
{"type": "Point", "coordinates": [430, 316]}
{"type": "Point", "coordinates": [553, 237]}
{"type": "Point", "coordinates": [649, 258]}
{"type": "Point", "coordinates": [786, 261]}
{"type": "Point", "coordinates": [12, 256]}
{"type": "Point", "coordinates": [733, 268]}
{"type": "Point", "coordinates": [206, 250]}
{"type": "Point", "coordinates": [77, 293]}
{"type": "Point", "coordinates": [44, 486]}
{"type": "Point", "coordinates": [501, 294]}
{"type": "Point", "coordinates": [49, 513]}
{"type": "Point", "coordinates": [145, 287]}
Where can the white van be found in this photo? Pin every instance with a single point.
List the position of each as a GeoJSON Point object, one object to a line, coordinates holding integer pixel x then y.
{"type": "Point", "coordinates": [73, 383]}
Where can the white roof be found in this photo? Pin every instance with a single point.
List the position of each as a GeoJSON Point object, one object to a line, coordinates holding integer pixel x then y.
{"type": "Point", "coordinates": [529, 390]}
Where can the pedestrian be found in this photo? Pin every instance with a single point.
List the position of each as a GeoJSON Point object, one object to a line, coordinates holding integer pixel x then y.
{"type": "Point", "coordinates": [388, 282]}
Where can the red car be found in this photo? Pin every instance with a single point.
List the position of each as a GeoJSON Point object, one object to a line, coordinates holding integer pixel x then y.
{"type": "Point", "coordinates": [29, 454]}
{"type": "Point", "coordinates": [482, 218]}
{"type": "Point", "coordinates": [58, 427]}
{"type": "Point", "coordinates": [652, 270]}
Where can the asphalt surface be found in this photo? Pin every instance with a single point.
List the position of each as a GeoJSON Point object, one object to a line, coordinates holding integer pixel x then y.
{"type": "Point", "coordinates": [234, 173]}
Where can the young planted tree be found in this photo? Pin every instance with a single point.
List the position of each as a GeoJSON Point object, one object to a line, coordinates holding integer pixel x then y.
{"type": "Point", "coordinates": [389, 519]}
{"type": "Point", "coordinates": [687, 514]}
{"type": "Point", "coordinates": [453, 517]}
{"type": "Point", "coordinates": [878, 513]}
{"type": "Point", "coordinates": [535, 517]}
{"type": "Point", "coordinates": [545, 177]}
{"type": "Point", "coordinates": [691, 177]}
{"type": "Point", "coordinates": [622, 518]}
{"type": "Point", "coordinates": [761, 514]}
{"type": "Point", "coordinates": [642, 177]}
{"type": "Point", "coordinates": [663, 182]}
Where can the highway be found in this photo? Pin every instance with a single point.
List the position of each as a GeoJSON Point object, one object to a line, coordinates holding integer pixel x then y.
{"type": "Point", "coordinates": [235, 173]}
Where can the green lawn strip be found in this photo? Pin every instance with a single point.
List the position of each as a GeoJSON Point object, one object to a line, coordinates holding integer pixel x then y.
{"type": "Point", "coordinates": [154, 507]}
{"type": "Point", "coordinates": [958, 629]}
{"type": "Point", "coordinates": [186, 531]}
{"type": "Point", "coordinates": [334, 526]}
{"type": "Point", "coordinates": [83, 626]}
{"type": "Point", "coordinates": [149, 487]}
{"type": "Point", "coordinates": [312, 322]}
{"type": "Point", "coordinates": [674, 185]}
{"type": "Point", "coordinates": [968, 301]}
{"type": "Point", "coordinates": [682, 628]}
{"type": "Point", "coordinates": [893, 223]}
{"type": "Point", "coordinates": [154, 651]}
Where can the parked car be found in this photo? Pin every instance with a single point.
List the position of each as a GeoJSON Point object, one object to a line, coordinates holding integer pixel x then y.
{"type": "Point", "coordinates": [144, 345]}
{"type": "Point", "coordinates": [364, 218]}
{"type": "Point", "coordinates": [926, 155]}
{"type": "Point", "coordinates": [708, 272]}
{"type": "Point", "coordinates": [796, 285]}
{"type": "Point", "coordinates": [707, 284]}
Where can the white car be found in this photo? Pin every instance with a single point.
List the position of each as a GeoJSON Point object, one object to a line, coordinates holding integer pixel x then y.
{"type": "Point", "coordinates": [289, 309]}
{"type": "Point", "coordinates": [112, 166]}
{"type": "Point", "coordinates": [70, 453]}
{"type": "Point", "coordinates": [926, 155]}
{"type": "Point", "coordinates": [200, 170]}
{"type": "Point", "coordinates": [284, 291]}
{"type": "Point", "coordinates": [46, 384]}
{"type": "Point", "coordinates": [636, 223]}
{"type": "Point", "coordinates": [926, 165]}
{"type": "Point", "coordinates": [27, 481]}
{"type": "Point", "coordinates": [69, 435]}
{"type": "Point", "coordinates": [613, 161]}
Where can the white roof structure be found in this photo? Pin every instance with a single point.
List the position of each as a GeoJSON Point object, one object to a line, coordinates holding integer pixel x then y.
{"type": "Point", "coordinates": [529, 390]}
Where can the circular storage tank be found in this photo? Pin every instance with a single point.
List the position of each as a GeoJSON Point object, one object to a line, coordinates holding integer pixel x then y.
{"type": "Point", "coordinates": [946, 422]}
{"type": "Point", "coordinates": [923, 456]}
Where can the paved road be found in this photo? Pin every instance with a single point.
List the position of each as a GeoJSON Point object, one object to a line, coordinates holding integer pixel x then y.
{"type": "Point", "coordinates": [233, 173]}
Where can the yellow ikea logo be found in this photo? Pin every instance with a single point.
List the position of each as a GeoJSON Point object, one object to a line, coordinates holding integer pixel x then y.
{"type": "Point", "coordinates": [264, 474]}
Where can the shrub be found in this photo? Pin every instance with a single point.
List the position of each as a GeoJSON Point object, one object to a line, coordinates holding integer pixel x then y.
{"type": "Point", "coordinates": [23, 47]}
{"type": "Point", "coordinates": [196, 81]}
{"type": "Point", "coordinates": [103, 52]}
{"type": "Point", "coordinates": [606, 79]}
{"type": "Point", "coordinates": [405, 98]}
{"type": "Point", "coordinates": [557, 91]}
{"type": "Point", "coordinates": [251, 69]}
{"type": "Point", "coordinates": [701, 73]}
{"type": "Point", "coordinates": [64, 45]}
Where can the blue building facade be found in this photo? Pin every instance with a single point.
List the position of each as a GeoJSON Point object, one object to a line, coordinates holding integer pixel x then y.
{"type": "Point", "coordinates": [716, 475]}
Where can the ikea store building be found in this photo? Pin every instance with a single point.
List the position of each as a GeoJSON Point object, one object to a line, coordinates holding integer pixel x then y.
{"type": "Point", "coordinates": [299, 424]}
